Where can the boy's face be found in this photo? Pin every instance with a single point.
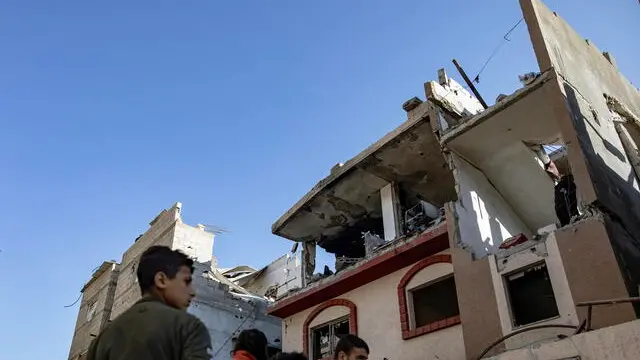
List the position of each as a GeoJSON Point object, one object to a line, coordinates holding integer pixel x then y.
{"type": "Point", "coordinates": [176, 292]}
{"type": "Point", "coordinates": [354, 354]}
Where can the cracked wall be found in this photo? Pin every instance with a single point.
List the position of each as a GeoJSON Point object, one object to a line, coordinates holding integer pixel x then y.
{"type": "Point", "coordinates": [605, 176]}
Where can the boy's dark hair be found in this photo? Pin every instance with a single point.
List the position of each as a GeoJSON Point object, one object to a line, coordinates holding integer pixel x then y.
{"type": "Point", "coordinates": [349, 342]}
{"type": "Point", "coordinates": [160, 259]}
{"type": "Point", "coordinates": [290, 356]}
{"type": "Point", "coordinates": [252, 341]}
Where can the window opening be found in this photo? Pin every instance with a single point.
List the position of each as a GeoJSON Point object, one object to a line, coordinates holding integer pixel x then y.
{"type": "Point", "coordinates": [435, 302]}
{"type": "Point", "coordinates": [531, 296]}
{"type": "Point", "coordinates": [325, 337]}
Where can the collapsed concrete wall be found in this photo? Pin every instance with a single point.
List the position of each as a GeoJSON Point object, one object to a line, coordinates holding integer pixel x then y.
{"type": "Point", "coordinates": [278, 278]}
{"type": "Point", "coordinates": [225, 314]}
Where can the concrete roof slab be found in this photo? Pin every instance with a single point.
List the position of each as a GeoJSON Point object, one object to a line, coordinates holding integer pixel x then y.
{"type": "Point", "coordinates": [409, 155]}
{"type": "Point", "coordinates": [495, 142]}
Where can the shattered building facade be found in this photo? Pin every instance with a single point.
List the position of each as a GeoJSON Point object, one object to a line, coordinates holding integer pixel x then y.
{"type": "Point", "coordinates": [224, 305]}
{"type": "Point", "coordinates": [511, 231]}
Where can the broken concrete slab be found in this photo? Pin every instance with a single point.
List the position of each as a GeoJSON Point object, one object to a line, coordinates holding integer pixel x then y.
{"type": "Point", "coordinates": [349, 197]}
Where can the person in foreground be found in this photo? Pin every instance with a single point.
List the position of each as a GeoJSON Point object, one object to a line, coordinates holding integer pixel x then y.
{"type": "Point", "coordinates": [351, 347]}
{"type": "Point", "coordinates": [250, 345]}
{"type": "Point", "coordinates": [157, 327]}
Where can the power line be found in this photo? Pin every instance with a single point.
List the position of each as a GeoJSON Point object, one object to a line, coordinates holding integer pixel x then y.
{"type": "Point", "coordinates": [75, 302]}
{"type": "Point", "coordinates": [80, 296]}
{"type": "Point", "coordinates": [505, 39]}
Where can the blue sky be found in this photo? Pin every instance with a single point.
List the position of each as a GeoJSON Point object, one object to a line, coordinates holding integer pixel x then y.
{"type": "Point", "coordinates": [113, 110]}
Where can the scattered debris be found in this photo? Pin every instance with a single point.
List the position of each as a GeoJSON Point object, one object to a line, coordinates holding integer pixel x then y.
{"type": "Point", "coordinates": [371, 242]}
{"type": "Point", "coordinates": [513, 241]}
{"type": "Point", "coordinates": [528, 78]}
{"type": "Point", "coordinates": [421, 216]}
{"type": "Point", "coordinates": [411, 104]}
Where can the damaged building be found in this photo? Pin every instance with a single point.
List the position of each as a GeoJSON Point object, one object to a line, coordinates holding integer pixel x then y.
{"type": "Point", "coordinates": [508, 231]}
{"type": "Point", "coordinates": [225, 304]}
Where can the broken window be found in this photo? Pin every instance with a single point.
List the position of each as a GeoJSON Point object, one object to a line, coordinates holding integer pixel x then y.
{"type": "Point", "coordinates": [434, 302]}
{"type": "Point", "coordinates": [349, 245]}
{"type": "Point", "coordinates": [91, 311]}
{"type": "Point", "coordinates": [325, 337]}
{"type": "Point", "coordinates": [531, 295]}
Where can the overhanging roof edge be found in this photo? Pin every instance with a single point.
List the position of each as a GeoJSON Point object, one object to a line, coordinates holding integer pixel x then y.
{"type": "Point", "coordinates": [349, 166]}
{"type": "Point", "coordinates": [479, 118]}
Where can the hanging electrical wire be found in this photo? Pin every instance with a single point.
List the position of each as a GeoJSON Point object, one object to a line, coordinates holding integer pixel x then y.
{"type": "Point", "coordinates": [80, 295]}
{"type": "Point", "coordinates": [75, 302]}
{"type": "Point", "coordinates": [505, 39]}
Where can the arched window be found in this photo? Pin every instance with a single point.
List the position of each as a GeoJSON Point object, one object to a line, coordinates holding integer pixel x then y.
{"type": "Point", "coordinates": [427, 299]}
{"type": "Point", "coordinates": [322, 337]}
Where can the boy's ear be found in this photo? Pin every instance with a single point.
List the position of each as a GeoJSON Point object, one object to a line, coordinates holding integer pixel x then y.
{"type": "Point", "coordinates": [160, 280]}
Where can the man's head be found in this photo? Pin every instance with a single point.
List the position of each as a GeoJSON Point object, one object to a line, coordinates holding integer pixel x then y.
{"type": "Point", "coordinates": [166, 273]}
{"type": "Point", "coordinates": [552, 170]}
{"type": "Point", "coordinates": [351, 347]}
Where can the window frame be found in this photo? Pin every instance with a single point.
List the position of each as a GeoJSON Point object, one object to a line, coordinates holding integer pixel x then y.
{"type": "Point", "coordinates": [331, 324]}
{"type": "Point", "coordinates": [507, 293]}
{"type": "Point", "coordinates": [353, 319]}
{"type": "Point", "coordinates": [410, 300]}
{"type": "Point", "coordinates": [409, 330]}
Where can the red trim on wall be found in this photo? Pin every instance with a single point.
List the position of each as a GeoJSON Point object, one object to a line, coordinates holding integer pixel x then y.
{"type": "Point", "coordinates": [353, 319]}
{"type": "Point", "coordinates": [428, 243]}
{"type": "Point", "coordinates": [407, 332]}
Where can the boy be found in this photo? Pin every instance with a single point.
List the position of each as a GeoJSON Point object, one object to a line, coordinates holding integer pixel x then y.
{"type": "Point", "coordinates": [157, 327]}
{"type": "Point", "coordinates": [351, 347]}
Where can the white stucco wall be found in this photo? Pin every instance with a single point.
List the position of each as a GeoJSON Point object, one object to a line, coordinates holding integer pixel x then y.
{"type": "Point", "coordinates": [485, 219]}
{"type": "Point", "coordinates": [379, 322]}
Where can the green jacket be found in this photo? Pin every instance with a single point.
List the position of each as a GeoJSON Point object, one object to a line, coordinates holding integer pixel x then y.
{"type": "Point", "coordinates": [152, 330]}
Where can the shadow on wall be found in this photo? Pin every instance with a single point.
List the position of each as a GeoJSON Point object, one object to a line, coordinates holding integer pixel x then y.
{"type": "Point", "coordinates": [485, 219]}
{"type": "Point", "coordinates": [616, 196]}
{"type": "Point", "coordinates": [492, 232]}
